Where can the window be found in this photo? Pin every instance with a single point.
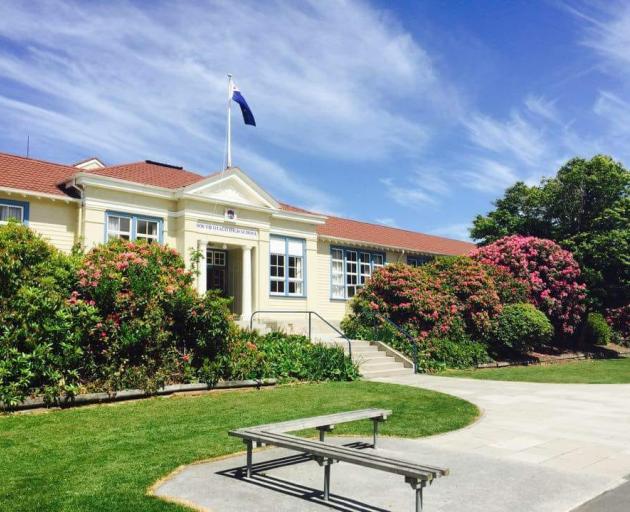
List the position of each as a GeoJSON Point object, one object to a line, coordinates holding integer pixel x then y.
{"type": "Point", "coordinates": [350, 270]}
{"type": "Point", "coordinates": [338, 289]}
{"type": "Point", "coordinates": [8, 211]}
{"type": "Point", "coordinates": [218, 258]}
{"type": "Point", "coordinates": [417, 261]}
{"type": "Point", "coordinates": [132, 227]}
{"type": "Point", "coordinates": [147, 230]}
{"type": "Point", "coordinates": [286, 266]}
{"type": "Point", "coordinates": [118, 227]}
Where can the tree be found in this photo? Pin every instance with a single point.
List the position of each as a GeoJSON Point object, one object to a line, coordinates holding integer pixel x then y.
{"type": "Point", "coordinates": [586, 209]}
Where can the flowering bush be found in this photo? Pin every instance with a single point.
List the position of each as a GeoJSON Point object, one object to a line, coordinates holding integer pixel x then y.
{"type": "Point", "coordinates": [153, 323]}
{"type": "Point", "coordinates": [409, 296]}
{"type": "Point", "coordinates": [552, 273]}
{"type": "Point", "coordinates": [474, 288]}
{"type": "Point", "coordinates": [619, 320]}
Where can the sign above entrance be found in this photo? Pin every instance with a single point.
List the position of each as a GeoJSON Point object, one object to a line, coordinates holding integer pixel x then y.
{"type": "Point", "coordinates": [231, 230]}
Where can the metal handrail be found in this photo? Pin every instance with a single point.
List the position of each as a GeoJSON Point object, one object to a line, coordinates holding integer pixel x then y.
{"type": "Point", "coordinates": [406, 334]}
{"type": "Point", "coordinates": [309, 313]}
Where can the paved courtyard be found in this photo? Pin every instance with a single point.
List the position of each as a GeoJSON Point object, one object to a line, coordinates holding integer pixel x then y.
{"type": "Point", "coordinates": [537, 447]}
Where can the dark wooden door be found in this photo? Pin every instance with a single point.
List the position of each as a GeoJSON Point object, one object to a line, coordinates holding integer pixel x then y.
{"type": "Point", "coordinates": [217, 271]}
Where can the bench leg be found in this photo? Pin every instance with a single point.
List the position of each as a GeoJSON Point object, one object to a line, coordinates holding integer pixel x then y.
{"type": "Point", "coordinates": [322, 435]}
{"type": "Point", "coordinates": [419, 499]}
{"type": "Point", "coordinates": [249, 458]}
{"type": "Point", "coordinates": [375, 435]}
{"type": "Point", "coordinates": [327, 481]}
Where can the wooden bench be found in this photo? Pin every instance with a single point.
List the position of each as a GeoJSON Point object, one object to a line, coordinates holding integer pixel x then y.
{"type": "Point", "coordinates": [416, 475]}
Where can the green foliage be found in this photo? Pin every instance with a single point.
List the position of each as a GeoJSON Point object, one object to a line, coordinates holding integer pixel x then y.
{"type": "Point", "coordinates": [459, 353]}
{"type": "Point", "coordinates": [596, 329]}
{"type": "Point", "coordinates": [285, 357]}
{"type": "Point", "coordinates": [41, 332]}
{"type": "Point", "coordinates": [586, 209]}
{"type": "Point", "coordinates": [521, 327]}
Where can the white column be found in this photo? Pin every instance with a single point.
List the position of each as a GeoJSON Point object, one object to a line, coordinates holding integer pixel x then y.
{"type": "Point", "coordinates": [202, 278]}
{"type": "Point", "coordinates": [246, 308]}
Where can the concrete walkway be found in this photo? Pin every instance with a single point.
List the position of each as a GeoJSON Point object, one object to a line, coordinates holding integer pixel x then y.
{"type": "Point", "coordinates": [538, 448]}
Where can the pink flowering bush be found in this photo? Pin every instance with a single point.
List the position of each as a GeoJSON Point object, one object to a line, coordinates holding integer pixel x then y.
{"type": "Point", "coordinates": [154, 329]}
{"type": "Point", "coordinates": [619, 320]}
{"type": "Point", "coordinates": [552, 273]}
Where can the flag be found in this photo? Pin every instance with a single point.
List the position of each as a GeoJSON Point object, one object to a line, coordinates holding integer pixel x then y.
{"type": "Point", "coordinates": [248, 117]}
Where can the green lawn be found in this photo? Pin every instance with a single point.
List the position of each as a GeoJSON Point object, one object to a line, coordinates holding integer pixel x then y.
{"type": "Point", "coordinates": [608, 371]}
{"type": "Point", "coordinates": [105, 457]}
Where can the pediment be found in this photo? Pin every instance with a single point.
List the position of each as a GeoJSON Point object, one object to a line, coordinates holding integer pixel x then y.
{"type": "Point", "coordinates": [233, 187]}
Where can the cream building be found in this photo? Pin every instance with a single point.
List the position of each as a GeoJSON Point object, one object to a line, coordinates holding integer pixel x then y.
{"type": "Point", "coordinates": [267, 255]}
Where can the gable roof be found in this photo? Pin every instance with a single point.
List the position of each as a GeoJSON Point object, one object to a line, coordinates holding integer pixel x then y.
{"type": "Point", "coordinates": [22, 173]}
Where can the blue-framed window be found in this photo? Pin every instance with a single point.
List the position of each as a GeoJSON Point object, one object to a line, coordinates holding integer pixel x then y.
{"type": "Point", "coordinates": [133, 227]}
{"type": "Point", "coordinates": [350, 269]}
{"type": "Point", "coordinates": [419, 260]}
{"type": "Point", "coordinates": [18, 210]}
{"type": "Point", "coordinates": [287, 266]}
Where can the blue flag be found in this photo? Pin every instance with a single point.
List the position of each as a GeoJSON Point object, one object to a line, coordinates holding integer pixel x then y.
{"type": "Point", "coordinates": [248, 117]}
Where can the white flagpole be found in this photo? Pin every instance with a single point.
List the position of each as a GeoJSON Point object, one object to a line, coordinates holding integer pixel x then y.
{"type": "Point", "coordinates": [229, 123]}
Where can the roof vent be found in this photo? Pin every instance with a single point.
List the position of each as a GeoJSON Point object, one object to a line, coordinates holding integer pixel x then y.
{"type": "Point", "coordinates": [153, 162]}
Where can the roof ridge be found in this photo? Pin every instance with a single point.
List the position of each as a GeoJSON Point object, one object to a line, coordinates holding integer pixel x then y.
{"type": "Point", "coordinates": [145, 162]}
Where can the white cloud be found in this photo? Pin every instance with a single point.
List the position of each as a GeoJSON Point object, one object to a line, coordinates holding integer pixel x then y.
{"type": "Point", "coordinates": [418, 189]}
{"type": "Point", "coordinates": [387, 221]}
{"type": "Point", "coordinates": [542, 107]}
{"type": "Point", "coordinates": [515, 136]}
{"type": "Point", "coordinates": [488, 176]}
{"type": "Point", "coordinates": [459, 231]}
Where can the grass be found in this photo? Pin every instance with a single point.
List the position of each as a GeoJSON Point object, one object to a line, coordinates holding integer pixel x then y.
{"type": "Point", "coordinates": [602, 371]}
{"type": "Point", "coordinates": [104, 458]}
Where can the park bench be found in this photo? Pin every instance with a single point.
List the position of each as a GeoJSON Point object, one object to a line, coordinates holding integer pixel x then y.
{"type": "Point", "coordinates": [325, 454]}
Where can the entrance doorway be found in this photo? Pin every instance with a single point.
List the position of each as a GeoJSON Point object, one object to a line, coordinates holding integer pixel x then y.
{"type": "Point", "coordinates": [217, 271]}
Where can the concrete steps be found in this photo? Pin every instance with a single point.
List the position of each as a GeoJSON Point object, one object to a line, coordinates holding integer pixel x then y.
{"type": "Point", "coordinates": [374, 359]}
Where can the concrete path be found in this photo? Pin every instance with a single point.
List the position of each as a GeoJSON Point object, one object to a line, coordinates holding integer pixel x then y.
{"type": "Point", "coordinates": [538, 448]}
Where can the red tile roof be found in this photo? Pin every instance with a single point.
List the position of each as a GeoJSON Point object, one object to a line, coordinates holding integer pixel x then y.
{"type": "Point", "coordinates": [149, 173]}
{"type": "Point", "coordinates": [28, 174]}
{"type": "Point", "coordinates": [336, 227]}
{"type": "Point", "coordinates": [39, 176]}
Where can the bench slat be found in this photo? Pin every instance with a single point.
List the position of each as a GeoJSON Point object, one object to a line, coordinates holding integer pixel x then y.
{"type": "Point", "coordinates": [344, 454]}
{"type": "Point", "coordinates": [323, 421]}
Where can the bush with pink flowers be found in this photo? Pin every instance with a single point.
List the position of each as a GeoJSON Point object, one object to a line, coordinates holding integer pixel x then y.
{"type": "Point", "coordinates": [552, 273]}
{"type": "Point", "coordinates": [154, 328]}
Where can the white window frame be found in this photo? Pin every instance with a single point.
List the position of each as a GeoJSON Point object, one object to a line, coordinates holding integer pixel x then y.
{"type": "Point", "coordinates": [8, 207]}
{"type": "Point", "coordinates": [148, 238]}
{"type": "Point", "coordinates": [116, 233]}
{"type": "Point", "coordinates": [283, 261]}
{"type": "Point", "coordinates": [344, 271]}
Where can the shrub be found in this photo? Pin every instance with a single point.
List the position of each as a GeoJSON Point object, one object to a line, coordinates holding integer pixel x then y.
{"type": "Point", "coordinates": [474, 289]}
{"type": "Point", "coordinates": [282, 356]}
{"type": "Point", "coordinates": [154, 326]}
{"type": "Point", "coordinates": [41, 332]}
{"type": "Point", "coordinates": [448, 353]}
{"type": "Point", "coordinates": [511, 290]}
{"type": "Point", "coordinates": [597, 330]}
{"type": "Point", "coordinates": [552, 273]}
{"type": "Point", "coordinates": [619, 320]}
{"type": "Point", "coordinates": [521, 327]}
{"type": "Point", "coordinates": [411, 297]}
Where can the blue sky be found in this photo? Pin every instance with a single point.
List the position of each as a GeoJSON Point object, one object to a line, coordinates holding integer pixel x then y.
{"type": "Point", "coordinates": [414, 114]}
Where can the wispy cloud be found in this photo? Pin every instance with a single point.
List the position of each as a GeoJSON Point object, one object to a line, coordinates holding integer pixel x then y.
{"type": "Point", "coordinates": [488, 175]}
{"type": "Point", "coordinates": [418, 189]}
{"type": "Point", "coordinates": [459, 231]}
{"type": "Point", "coordinates": [387, 221]}
{"type": "Point", "coordinates": [542, 107]}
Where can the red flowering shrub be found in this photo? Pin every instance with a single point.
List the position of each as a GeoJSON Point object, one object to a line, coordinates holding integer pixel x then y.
{"type": "Point", "coordinates": [153, 323]}
{"type": "Point", "coordinates": [474, 288]}
{"type": "Point", "coordinates": [551, 272]}
{"type": "Point", "coordinates": [410, 297]}
{"type": "Point", "coordinates": [619, 320]}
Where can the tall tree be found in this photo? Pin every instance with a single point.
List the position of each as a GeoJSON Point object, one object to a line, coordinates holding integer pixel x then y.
{"type": "Point", "coordinates": [586, 209]}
